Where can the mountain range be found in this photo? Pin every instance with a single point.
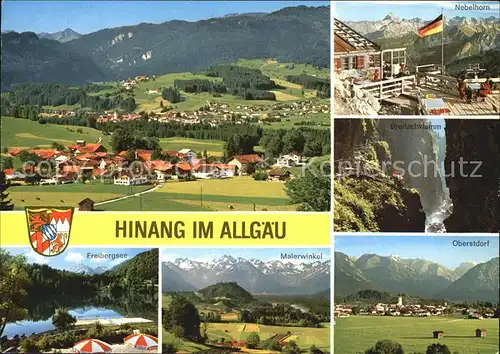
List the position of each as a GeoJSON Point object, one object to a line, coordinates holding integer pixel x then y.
{"type": "Point", "coordinates": [417, 277]}
{"type": "Point", "coordinates": [293, 34]}
{"type": "Point", "coordinates": [467, 40]}
{"type": "Point", "coordinates": [256, 276]}
{"type": "Point", "coordinates": [61, 36]}
{"type": "Point", "coordinates": [88, 270]}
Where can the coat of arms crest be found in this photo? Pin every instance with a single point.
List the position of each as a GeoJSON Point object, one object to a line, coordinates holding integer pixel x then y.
{"type": "Point", "coordinates": [49, 229]}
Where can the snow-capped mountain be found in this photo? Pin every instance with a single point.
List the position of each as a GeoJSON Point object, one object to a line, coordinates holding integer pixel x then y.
{"type": "Point", "coordinates": [62, 36]}
{"type": "Point", "coordinates": [255, 276]}
{"type": "Point", "coordinates": [85, 269]}
{"type": "Point", "coordinates": [393, 26]}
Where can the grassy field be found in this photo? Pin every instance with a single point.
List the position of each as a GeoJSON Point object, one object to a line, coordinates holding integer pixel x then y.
{"type": "Point", "coordinates": [322, 121]}
{"type": "Point", "coordinates": [304, 336]}
{"type": "Point", "coordinates": [24, 133]}
{"type": "Point", "coordinates": [68, 194]}
{"type": "Point", "coordinates": [275, 70]}
{"type": "Point", "coordinates": [358, 333]}
{"type": "Point", "coordinates": [213, 147]}
{"type": "Point", "coordinates": [210, 195]}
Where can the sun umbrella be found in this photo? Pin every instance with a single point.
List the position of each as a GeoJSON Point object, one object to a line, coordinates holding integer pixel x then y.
{"type": "Point", "coordinates": [91, 346]}
{"type": "Point", "coordinates": [142, 341]}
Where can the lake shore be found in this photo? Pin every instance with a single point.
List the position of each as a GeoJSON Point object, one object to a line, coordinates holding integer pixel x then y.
{"type": "Point", "coordinates": [113, 321]}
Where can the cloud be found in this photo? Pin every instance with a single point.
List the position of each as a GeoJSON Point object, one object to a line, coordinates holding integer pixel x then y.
{"type": "Point", "coordinates": [74, 257]}
{"type": "Point", "coordinates": [34, 257]}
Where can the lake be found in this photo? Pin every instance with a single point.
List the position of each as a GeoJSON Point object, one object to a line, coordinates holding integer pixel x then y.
{"type": "Point", "coordinates": [89, 307]}
{"type": "Point", "coordinates": [83, 313]}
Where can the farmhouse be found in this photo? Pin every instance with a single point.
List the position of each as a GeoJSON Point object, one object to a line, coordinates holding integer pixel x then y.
{"type": "Point", "coordinates": [206, 171]}
{"type": "Point", "coordinates": [278, 175]}
{"type": "Point", "coordinates": [243, 161]}
{"type": "Point", "coordinates": [438, 334]}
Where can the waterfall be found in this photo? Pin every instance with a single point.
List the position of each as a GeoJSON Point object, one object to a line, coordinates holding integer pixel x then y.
{"type": "Point", "coordinates": [435, 218]}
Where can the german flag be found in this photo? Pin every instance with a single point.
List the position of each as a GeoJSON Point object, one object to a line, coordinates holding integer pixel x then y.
{"type": "Point", "coordinates": [434, 27]}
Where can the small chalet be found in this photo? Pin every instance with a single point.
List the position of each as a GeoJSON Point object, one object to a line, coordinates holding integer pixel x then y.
{"type": "Point", "coordinates": [13, 175]}
{"type": "Point", "coordinates": [163, 170]}
{"type": "Point", "coordinates": [438, 334]}
{"type": "Point", "coordinates": [278, 175]}
{"type": "Point", "coordinates": [242, 161]}
{"type": "Point", "coordinates": [205, 171]}
{"type": "Point", "coordinates": [480, 332]}
{"type": "Point", "coordinates": [86, 205]}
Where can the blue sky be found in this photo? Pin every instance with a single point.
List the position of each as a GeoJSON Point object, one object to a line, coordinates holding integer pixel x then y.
{"type": "Point", "coordinates": [427, 10]}
{"type": "Point", "coordinates": [73, 256]}
{"type": "Point", "coordinates": [433, 248]}
{"type": "Point", "coordinates": [89, 16]}
{"type": "Point", "coordinates": [264, 254]}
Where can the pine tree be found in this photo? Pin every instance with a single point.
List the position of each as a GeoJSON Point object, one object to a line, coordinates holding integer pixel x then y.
{"type": "Point", "coordinates": [5, 202]}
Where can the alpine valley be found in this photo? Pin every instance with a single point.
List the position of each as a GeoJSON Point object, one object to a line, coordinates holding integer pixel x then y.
{"type": "Point", "coordinates": [416, 277]}
{"type": "Point", "coordinates": [174, 46]}
{"type": "Point", "coordinates": [256, 276]}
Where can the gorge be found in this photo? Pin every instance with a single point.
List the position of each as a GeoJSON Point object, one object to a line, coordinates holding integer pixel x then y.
{"type": "Point", "coordinates": [416, 175]}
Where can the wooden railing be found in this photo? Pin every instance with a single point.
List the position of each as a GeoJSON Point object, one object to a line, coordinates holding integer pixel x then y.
{"type": "Point", "coordinates": [438, 82]}
{"type": "Point", "coordinates": [390, 88]}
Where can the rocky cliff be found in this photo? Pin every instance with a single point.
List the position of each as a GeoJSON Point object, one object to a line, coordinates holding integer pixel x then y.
{"type": "Point", "coordinates": [366, 195]}
{"type": "Point", "coordinates": [472, 174]}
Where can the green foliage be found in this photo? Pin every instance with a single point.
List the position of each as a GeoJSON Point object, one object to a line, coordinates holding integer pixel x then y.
{"type": "Point", "coordinates": [240, 144]}
{"type": "Point", "coordinates": [125, 139]}
{"type": "Point", "coordinates": [253, 340]}
{"type": "Point", "coordinates": [311, 191]}
{"type": "Point", "coordinates": [386, 347]}
{"type": "Point", "coordinates": [171, 94]}
{"type": "Point", "coordinates": [14, 282]}
{"type": "Point", "coordinates": [57, 94]}
{"type": "Point", "coordinates": [291, 348]}
{"type": "Point", "coordinates": [200, 85]}
{"type": "Point", "coordinates": [62, 320]}
{"type": "Point", "coordinates": [260, 175]}
{"type": "Point", "coordinates": [229, 290]}
{"type": "Point", "coordinates": [29, 346]}
{"type": "Point", "coordinates": [5, 201]}
{"type": "Point", "coordinates": [437, 348]}
{"type": "Point", "coordinates": [136, 271]}
{"type": "Point", "coordinates": [182, 318]}
{"type": "Point", "coordinates": [95, 330]}
{"type": "Point", "coordinates": [311, 82]}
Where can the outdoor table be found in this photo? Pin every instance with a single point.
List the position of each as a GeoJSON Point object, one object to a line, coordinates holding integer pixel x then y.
{"type": "Point", "coordinates": [435, 106]}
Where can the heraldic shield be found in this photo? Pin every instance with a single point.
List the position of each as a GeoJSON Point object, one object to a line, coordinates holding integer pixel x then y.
{"type": "Point", "coordinates": [49, 229]}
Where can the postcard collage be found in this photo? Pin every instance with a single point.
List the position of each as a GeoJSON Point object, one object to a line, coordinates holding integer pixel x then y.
{"type": "Point", "coordinates": [250, 177]}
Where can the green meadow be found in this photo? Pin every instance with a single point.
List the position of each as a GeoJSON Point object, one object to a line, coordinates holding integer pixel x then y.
{"type": "Point", "coordinates": [356, 334]}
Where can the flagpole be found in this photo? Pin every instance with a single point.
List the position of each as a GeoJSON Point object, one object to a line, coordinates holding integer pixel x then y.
{"type": "Point", "coordinates": [442, 43]}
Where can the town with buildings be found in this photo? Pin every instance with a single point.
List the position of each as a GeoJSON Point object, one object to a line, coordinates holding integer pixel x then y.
{"type": "Point", "coordinates": [82, 161]}
{"type": "Point", "coordinates": [413, 310]}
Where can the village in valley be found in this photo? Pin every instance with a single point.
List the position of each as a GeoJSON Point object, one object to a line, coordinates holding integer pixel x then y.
{"type": "Point", "coordinates": [220, 147]}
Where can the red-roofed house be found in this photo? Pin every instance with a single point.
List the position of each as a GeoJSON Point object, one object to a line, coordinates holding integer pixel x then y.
{"type": "Point", "coordinates": [144, 155]}
{"type": "Point", "coordinates": [15, 151]}
{"type": "Point", "coordinates": [242, 162]}
{"type": "Point", "coordinates": [163, 170]}
{"type": "Point", "coordinates": [12, 175]}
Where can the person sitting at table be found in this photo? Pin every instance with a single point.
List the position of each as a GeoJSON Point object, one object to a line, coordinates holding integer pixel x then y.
{"type": "Point", "coordinates": [461, 88]}
{"type": "Point", "coordinates": [376, 76]}
{"type": "Point", "coordinates": [485, 89]}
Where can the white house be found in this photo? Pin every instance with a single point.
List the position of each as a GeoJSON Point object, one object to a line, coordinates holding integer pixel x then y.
{"type": "Point", "coordinates": [206, 171]}
{"type": "Point", "coordinates": [289, 160]}
{"type": "Point", "coordinates": [190, 154]}
{"type": "Point", "coordinates": [128, 179]}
